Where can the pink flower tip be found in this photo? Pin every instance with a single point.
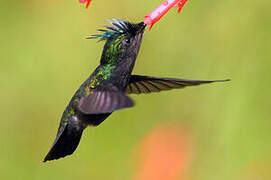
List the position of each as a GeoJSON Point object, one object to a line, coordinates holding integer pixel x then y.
{"type": "Point", "coordinates": [148, 21]}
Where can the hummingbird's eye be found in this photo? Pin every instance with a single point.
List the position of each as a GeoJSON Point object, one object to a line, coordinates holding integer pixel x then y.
{"type": "Point", "coordinates": [127, 40]}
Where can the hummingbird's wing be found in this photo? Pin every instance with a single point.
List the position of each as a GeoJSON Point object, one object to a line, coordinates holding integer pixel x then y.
{"type": "Point", "coordinates": [147, 84]}
{"type": "Point", "coordinates": [98, 102]}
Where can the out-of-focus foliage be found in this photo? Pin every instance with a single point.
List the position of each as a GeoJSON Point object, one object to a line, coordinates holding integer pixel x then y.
{"type": "Point", "coordinates": [45, 57]}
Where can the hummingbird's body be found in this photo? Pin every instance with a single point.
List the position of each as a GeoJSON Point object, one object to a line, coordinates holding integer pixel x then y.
{"type": "Point", "coordinates": [105, 90]}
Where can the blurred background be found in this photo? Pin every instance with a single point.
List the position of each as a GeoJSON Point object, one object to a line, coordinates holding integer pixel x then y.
{"type": "Point", "coordinates": [216, 131]}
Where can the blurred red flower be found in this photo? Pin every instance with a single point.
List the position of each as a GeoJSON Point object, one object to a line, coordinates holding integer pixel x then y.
{"type": "Point", "coordinates": [164, 155]}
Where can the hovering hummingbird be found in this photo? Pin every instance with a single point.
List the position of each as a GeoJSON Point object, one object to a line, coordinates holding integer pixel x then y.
{"type": "Point", "coordinates": [105, 91]}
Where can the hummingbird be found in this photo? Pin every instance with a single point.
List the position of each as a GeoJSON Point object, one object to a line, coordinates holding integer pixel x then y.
{"type": "Point", "coordinates": [106, 89]}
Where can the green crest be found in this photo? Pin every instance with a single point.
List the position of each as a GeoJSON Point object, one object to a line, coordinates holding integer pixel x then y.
{"type": "Point", "coordinates": [118, 28]}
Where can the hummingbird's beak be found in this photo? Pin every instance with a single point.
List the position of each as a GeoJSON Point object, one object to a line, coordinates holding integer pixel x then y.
{"type": "Point", "coordinates": [142, 26]}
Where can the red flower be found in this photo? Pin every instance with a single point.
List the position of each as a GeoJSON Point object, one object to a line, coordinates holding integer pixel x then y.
{"type": "Point", "coordinates": [85, 1]}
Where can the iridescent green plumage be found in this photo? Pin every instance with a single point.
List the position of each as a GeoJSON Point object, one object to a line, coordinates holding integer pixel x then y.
{"type": "Point", "coordinates": [103, 74]}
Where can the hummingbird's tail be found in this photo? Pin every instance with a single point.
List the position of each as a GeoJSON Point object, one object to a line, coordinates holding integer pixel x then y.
{"type": "Point", "coordinates": [65, 143]}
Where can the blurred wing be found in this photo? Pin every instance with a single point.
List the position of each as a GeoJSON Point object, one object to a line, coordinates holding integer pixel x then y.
{"type": "Point", "coordinates": [146, 84]}
{"type": "Point", "coordinates": [99, 102]}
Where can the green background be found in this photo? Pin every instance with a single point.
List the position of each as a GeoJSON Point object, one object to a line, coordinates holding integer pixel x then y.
{"type": "Point", "coordinates": [45, 57]}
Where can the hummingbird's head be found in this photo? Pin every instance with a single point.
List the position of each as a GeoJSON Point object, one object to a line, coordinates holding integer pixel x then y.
{"type": "Point", "coordinates": [123, 40]}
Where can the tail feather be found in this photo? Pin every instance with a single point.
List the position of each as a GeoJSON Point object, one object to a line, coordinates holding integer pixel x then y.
{"type": "Point", "coordinates": [65, 143]}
